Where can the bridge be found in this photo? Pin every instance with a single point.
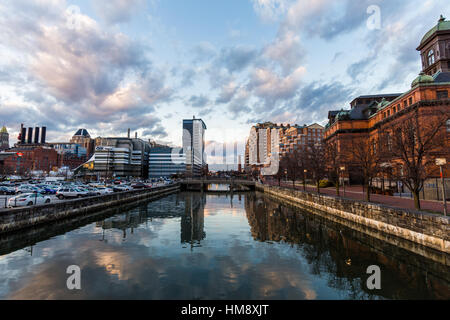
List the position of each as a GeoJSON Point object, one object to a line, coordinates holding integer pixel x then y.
{"type": "Point", "coordinates": [202, 184]}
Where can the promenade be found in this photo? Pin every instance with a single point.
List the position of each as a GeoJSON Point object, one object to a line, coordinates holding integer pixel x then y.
{"type": "Point", "coordinates": [356, 193]}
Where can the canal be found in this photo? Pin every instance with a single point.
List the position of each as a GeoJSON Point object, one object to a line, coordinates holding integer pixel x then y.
{"type": "Point", "coordinates": [212, 246]}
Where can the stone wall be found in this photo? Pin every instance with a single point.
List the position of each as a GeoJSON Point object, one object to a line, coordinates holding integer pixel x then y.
{"type": "Point", "coordinates": [21, 218]}
{"type": "Point", "coordinates": [426, 229]}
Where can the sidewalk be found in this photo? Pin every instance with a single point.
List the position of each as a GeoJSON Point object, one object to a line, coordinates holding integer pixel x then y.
{"type": "Point", "coordinates": [356, 193]}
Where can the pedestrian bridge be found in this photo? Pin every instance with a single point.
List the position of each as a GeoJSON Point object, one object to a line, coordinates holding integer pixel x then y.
{"type": "Point", "coordinates": [202, 184]}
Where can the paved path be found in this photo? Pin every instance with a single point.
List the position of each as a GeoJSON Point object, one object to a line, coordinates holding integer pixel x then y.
{"type": "Point", "coordinates": [356, 193]}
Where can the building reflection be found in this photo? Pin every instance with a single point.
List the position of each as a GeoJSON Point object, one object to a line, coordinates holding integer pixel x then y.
{"type": "Point", "coordinates": [192, 222]}
{"type": "Point", "coordinates": [342, 255]}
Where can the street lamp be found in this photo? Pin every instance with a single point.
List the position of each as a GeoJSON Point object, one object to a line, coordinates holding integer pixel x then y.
{"type": "Point", "coordinates": [304, 179]}
{"type": "Point", "coordinates": [442, 162]}
{"type": "Point", "coordinates": [343, 178]}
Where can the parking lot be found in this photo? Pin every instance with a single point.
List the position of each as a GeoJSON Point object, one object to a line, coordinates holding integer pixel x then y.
{"type": "Point", "coordinates": [67, 190]}
{"type": "Point", "coordinates": [4, 200]}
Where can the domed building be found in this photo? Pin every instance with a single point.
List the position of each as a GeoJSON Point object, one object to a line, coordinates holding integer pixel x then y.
{"type": "Point", "coordinates": [4, 139]}
{"type": "Point", "coordinates": [435, 48]}
{"type": "Point", "coordinates": [376, 119]}
{"type": "Point", "coordinates": [83, 138]}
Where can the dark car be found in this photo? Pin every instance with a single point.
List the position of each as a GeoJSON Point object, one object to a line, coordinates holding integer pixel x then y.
{"type": "Point", "coordinates": [47, 190]}
{"type": "Point", "coordinates": [139, 185]}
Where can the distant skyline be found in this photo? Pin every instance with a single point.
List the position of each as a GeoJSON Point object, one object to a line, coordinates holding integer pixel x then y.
{"type": "Point", "coordinates": [147, 65]}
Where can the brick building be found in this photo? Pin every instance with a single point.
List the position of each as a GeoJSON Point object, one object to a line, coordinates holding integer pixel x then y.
{"type": "Point", "coordinates": [24, 159]}
{"type": "Point", "coordinates": [371, 118]}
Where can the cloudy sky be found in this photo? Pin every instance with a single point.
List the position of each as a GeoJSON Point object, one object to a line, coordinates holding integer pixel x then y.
{"type": "Point", "coordinates": [109, 65]}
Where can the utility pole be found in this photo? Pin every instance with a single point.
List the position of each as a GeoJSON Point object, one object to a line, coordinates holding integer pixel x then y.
{"type": "Point", "coordinates": [442, 162]}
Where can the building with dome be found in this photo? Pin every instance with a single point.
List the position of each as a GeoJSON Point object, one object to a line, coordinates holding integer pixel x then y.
{"type": "Point", "coordinates": [83, 139]}
{"type": "Point", "coordinates": [371, 116]}
{"type": "Point", "coordinates": [4, 139]}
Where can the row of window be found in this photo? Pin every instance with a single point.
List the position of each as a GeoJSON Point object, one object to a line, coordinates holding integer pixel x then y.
{"type": "Point", "coordinates": [397, 108]}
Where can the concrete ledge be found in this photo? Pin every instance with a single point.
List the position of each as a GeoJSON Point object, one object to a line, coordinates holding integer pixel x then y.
{"type": "Point", "coordinates": [423, 228]}
{"type": "Point", "coordinates": [20, 218]}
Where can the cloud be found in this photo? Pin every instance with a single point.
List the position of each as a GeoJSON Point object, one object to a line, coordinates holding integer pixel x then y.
{"type": "Point", "coordinates": [236, 58]}
{"type": "Point", "coordinates": [82, 75]}
{"type": "Point", "coordinates": [270, 86]}
{"type": "Point", "coordinates": [118, 11]}
{"type": "Point", "coordinates": [200, 101]}
{"type": "Point", "coordinates": [286, 50]}
{"type": "Point", "coordinates": [271, 10]}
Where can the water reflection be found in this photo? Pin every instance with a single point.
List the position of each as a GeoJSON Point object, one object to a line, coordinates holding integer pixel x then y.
{"type": "Point", "coordinates": [202, 246]}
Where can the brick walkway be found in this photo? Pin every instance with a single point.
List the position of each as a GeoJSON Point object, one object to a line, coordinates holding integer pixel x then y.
{"type": "Point", "coordinates": [356, 193]}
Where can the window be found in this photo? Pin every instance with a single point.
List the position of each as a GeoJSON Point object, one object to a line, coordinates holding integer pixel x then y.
{"type": "Point", "coordinates": [442, 94]}
{"type": "Point", "coordinates": [388, 113]}
{"type": "Point", "coordinates": [410, 101]}
{"type": "Point", "coordinates": [405, 104]}
{"type": "Point", "coordinates": [448, 125]}
{"type": "Point", "coordinates": [430, 57]}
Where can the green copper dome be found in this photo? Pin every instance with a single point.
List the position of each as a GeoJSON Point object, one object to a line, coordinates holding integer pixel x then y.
{"type": "Point", "coordinates": [441, 25]}
{"type": "Point", "coordinates": [382, 104]}
{"type": "Point", "coordinates": [422, 78]}
{"type": "Point", "coordinates": [4, 130]}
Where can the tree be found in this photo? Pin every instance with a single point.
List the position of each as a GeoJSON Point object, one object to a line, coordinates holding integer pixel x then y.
{"type": "Point", "coordinates": [367, 156]}
{"type": "Point", "coordinates": [282, 166]}
{"type": "Point", "coordinates": [333, 163]}
{"type": "Point", "coordinates": [412, 145]}
{"type": "Point", "coordinates": [315, 156]}
{"type": "Point", "coordinates": [293, 166]}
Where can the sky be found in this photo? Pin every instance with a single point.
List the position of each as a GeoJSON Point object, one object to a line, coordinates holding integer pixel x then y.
{"type": "Point", "coordinates": [110, 65]}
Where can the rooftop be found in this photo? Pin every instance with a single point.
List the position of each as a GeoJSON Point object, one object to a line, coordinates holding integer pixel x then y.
{"type": "Point", "coordinates": [82, 133]}
{"type": "Point", "coordinates": [442, 25]}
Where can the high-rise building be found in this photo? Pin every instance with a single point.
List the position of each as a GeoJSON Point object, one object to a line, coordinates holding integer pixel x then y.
{"type": "Point", "coordinates": [4, 139]}
{"type": "Point", "coordinates": [166, 161]}
{"type": "Point", "coordinates": [194, 146]}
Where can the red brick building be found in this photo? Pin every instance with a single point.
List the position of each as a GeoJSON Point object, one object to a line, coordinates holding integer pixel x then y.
{"type": "Point", "coordinates": [371, 118]}
{"type": "Point", "coordinates": [25, 159]}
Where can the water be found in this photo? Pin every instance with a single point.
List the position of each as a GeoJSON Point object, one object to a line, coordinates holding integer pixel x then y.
{"type": "Point", "coordinates": [199, 246]}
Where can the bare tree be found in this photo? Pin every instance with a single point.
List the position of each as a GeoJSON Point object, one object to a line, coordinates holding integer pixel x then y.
{"type": "Point", "coordinates": [282, 166]}
{"type": "Point", "coordinates": [293, 166]}
{"type": "Point", "coordinates": [413, 144]}
{"type": "Point", "coordinates": [367, 156]}
{"type": "Point", "coordinates": [333, 163]}
{"type": "Point", "coordinates": [315, 153]}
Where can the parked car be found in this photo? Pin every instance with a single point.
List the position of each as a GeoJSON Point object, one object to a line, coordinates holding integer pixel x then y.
{"type": "Point", "coordinates": [28, 199]}
{"type": "Point", "coordinates": [122, 188]}
{"type": "Point", "coordinates": [7, 190]}
{"type": "Point", "coordinates": [104, 190]}
{"type": "Point", "coordinates": [138, 185]}
{"type": "Point", "coordinates": [65, 193]}
{"type": "Point", "coordinates": [25, 188]}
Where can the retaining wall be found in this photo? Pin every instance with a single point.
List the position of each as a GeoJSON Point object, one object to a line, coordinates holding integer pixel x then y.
{"type": "Point", "coordinates": [427, 229]}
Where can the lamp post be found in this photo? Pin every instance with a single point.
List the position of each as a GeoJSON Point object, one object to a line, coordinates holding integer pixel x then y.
{"type": "Point", "coordinates": [442, 162]}
{"type": "Point", "coordinates": [304, 179]}
{"type": "Point", "coordinates": [343, 178]}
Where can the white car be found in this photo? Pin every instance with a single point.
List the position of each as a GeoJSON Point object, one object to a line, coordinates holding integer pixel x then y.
{"type": "Point", "coordinates": [122, 188]}
{"type": "Point", "coordinates": [28, 199]}
{"type": "Point", "coordinates": [65, 193]}
{"type": "Point", "coordinates": [103, 190]}
{"type": "Point", "coordinates": [26, 188]}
